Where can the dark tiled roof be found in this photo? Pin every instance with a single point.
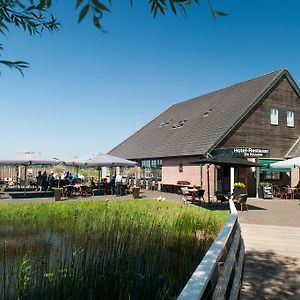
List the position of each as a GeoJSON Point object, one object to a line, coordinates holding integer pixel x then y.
{"type": "Point", "coordinates": [201, 122]}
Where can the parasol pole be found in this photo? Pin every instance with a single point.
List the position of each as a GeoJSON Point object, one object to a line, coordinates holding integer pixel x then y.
{"type": "Point", "coordinates": [99, 176]}
{"type": "Point", "coordinates": [25, 180]}
{"type": "Point", "coordinates": [208, 183]}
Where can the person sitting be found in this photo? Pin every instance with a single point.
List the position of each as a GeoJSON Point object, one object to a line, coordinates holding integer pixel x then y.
{"type": "Point", "coordinates": [92, 183]}
{"type": "Point", "coordinates": [51, 181]}
{"type": "Point", "coordinates": [107, 187]}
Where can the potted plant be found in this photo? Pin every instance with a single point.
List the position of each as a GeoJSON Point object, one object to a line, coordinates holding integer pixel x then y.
{"type": "Point", "coordinates": [239, 188]}
{"type": "Point", "coordinates": [136, 192]}
{"type": "Point", "coordinates": [58, 191]}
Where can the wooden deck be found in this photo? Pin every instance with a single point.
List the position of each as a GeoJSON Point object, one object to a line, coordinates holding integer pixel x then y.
{"type": "Point", "coordinates": [272, 263]}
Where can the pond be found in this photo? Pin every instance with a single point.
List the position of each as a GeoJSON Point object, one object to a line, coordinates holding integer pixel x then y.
{"type": "Point", "coordinates": [117, 257]}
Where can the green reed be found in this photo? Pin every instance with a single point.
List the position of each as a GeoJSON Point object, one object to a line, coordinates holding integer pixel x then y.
{"type": "Point", "coordinates": [102, 250]}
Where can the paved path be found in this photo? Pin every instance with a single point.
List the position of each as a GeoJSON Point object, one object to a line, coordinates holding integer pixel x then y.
{"type": "Point", "coordinates": [271, 231]}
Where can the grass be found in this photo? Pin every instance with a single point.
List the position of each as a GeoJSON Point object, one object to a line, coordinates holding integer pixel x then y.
{"type": "Point", "coordinates": [110, 250]}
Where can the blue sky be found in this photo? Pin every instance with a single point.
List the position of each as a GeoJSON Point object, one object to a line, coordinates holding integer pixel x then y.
{"type": "Point", "coordinates": [86, 91]}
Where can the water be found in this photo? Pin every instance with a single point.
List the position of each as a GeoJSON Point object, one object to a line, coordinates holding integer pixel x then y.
{"type": "Point", "coordinates": [52, 262]}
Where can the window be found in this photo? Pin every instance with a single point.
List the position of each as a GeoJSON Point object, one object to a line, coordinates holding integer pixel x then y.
{"type": "Point", "coordinates": [152, 168]}
{"type": "Point", "coordinates": [180, 168]}
{"type": "Point", "coordinates": [270, 175]}
{"type": "Point", "coordinates": [274, 116]}
{"type": "Point", "coordinates": [290, 119]}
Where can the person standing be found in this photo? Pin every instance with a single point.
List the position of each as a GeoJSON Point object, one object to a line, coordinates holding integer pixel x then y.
{"type": "Point", "coordinates": [39, 181]}
{"type": "Point", "coordinates": [118, 183]}
{"type": "Point", "coordinates": [45, 181]}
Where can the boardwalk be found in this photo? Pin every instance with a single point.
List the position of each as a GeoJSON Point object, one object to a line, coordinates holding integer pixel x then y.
{"type": "Point", "coordinates": [271, 230]}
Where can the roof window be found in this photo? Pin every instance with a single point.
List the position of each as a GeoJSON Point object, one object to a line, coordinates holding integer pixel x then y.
{"type": "Point", "coordinates": [179, 124]}
{"type": "Point", "coordinates": [207, 113]}
{"type": "Point", "coordinates": [165, 123]}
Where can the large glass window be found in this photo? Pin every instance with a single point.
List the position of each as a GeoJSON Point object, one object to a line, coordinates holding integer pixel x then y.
{"type": "Point", "coordinates": [290, 119]}
{"type": "Point", "coordinates": [152, 168]}
{"type": "Point", "coordinates": [273, 116]}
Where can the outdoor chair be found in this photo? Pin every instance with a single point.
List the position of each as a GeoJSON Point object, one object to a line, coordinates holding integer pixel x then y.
{"type": "Point", "coordinates": [242, 201]}
{"type": "Point", "coordinates": [200, 195]}
{"type": "Point", "coordinates": [83, 190]}
{"type": "Point", "coordinates": [283, 193]}
{"type": "Point", "coordinates": [184, 194]}
{"type": "Point", "coordinates": [277, 193]}
{"type": "Point", "coordinates": [222, 198]}
{"type": "Point", "coordinates": [89, 191]}
{"type": "Point", "coordinates": [69, 191]}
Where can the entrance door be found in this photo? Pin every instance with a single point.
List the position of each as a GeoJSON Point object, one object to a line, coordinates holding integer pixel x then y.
{"type": "Point", "coordinates": [223, 178]}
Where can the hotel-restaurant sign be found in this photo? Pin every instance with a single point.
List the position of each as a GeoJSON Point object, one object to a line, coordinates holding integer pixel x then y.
{"type": "Point", "coordinates": [241, 152]}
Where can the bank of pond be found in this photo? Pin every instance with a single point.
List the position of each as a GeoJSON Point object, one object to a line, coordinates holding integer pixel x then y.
{"type": "Point", "coordinates": [135, 249]}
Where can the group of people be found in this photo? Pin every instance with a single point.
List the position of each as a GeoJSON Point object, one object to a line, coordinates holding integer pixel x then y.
{"type": "Point", "coordinates": [45, 182]}
{"type": "Point", "coordinates": [116, 186]}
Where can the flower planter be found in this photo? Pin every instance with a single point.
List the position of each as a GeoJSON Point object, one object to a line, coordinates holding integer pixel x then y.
{"type": "Point", "coordinates": [57, 194]}
{"type": "Point", "coordinates": [136, 192]}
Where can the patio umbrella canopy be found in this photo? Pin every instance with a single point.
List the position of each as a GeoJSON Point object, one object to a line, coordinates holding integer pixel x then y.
{"type": "Point", "coordinates": [28, 158]}
{"type": "Point", "coordinates": [79, 161]}
{"type": "Point", "coordinates": [100, 160]}
{"type": "Point", "coordinates": [289, 163]}
{"type": "Point", "coordinates": [228, 161]}
{"type": "Point", "coordinates": [106, 160]}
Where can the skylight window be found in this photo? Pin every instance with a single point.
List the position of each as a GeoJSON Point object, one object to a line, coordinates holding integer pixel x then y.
{"type": "Point", "coordinates": [206, 114]}
{"type": "Point", "coordinates": [165, 123]}
{"type": "Point", "coordinates": [179, 124]}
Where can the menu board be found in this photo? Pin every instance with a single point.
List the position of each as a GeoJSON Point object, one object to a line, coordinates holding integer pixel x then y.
{"type": "Point", "coordinates": [267, 192]}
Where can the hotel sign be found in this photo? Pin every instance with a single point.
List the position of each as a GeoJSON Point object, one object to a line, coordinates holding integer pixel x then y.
{"type": "Point", "coordinates": [241, 152]}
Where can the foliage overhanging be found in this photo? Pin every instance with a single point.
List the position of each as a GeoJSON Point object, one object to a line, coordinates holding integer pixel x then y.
{"type": "Point", "coordinates": [33, 16]}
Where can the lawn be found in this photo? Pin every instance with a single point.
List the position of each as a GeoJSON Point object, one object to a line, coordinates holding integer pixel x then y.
{"type": "Point", "coordinates": [135, 249]}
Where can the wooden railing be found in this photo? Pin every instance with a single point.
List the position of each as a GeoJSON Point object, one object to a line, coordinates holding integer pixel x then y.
{"type": "Point", "coordinates": [219, 275]}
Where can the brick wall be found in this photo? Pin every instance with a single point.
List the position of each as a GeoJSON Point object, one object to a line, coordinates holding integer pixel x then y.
{"type": "Point", "coordinates": [190, 172]}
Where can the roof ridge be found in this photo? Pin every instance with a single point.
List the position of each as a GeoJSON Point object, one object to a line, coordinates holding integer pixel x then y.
{"type": "Point", "coordinates": [279, 71]}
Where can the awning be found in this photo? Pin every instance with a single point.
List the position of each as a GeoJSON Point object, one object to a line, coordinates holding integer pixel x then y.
{"type": "Point", "coordinates": [264, 163]}
{"type": "Point", "coordinates": [229, 161]}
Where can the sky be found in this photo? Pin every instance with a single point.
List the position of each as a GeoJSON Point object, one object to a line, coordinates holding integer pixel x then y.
{"type": "Point", "coordinates": [86, 91]}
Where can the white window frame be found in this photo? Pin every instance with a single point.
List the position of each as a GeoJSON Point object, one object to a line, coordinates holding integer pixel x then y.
{"type": "Point", "coordinates": [290, 118]}
{"type": "Point", "coordinates": [274, 116]}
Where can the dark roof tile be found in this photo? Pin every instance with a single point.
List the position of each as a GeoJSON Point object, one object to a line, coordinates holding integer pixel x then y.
{"type": "Point", "coordinates": [208, 119]}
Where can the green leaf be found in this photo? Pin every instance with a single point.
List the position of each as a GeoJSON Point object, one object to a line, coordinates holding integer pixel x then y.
{"type": "Point", "coordinates": [219, 13]}
{"type": "Point", "coordinates": [96, 22]}
{"type": "Point", "coordinates": [42, 4]}
{"type": "Point", "coordinates": [100, 5]}
{"type": "Point", "coordinates": [173, 7]}
{"type": "Point", "coordinates": [83, 12]}
{"type": "Point", "coordinates": [78, 2]}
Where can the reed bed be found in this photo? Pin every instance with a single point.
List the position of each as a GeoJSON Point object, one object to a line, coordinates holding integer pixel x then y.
{"type": "Point", "coordinates": [102, 250]}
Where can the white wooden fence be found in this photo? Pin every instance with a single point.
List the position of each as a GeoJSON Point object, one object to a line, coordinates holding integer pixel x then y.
{"type": "Point", "coordinates": [219, 275]}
